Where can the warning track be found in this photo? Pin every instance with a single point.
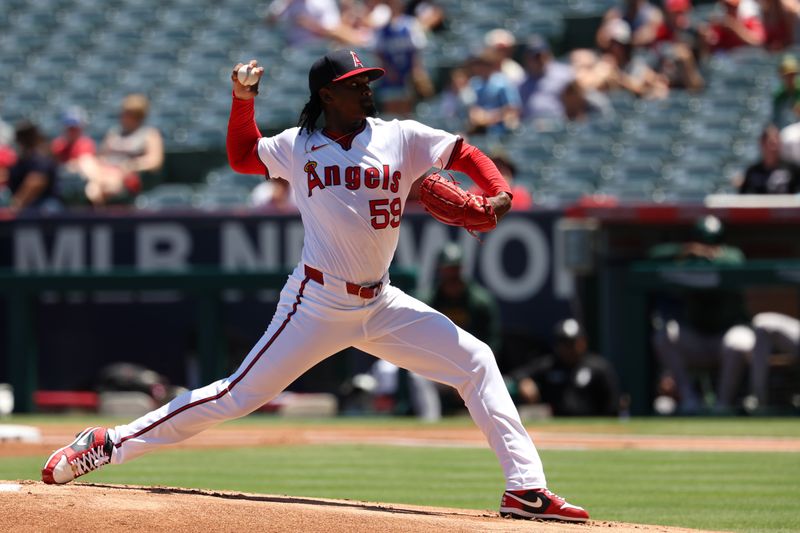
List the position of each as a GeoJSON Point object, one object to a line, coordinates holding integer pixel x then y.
{"type": "Point", "coordinates": [54, 436]}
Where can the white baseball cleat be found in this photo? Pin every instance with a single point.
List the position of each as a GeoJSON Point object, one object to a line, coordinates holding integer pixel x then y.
{"type": "Point", "coordinates": [90, 450]}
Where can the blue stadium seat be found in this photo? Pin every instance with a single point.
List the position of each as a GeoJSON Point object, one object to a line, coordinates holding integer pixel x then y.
{"type": "Point", "coordinates": [166, 196]}
{"type": "Point", "coordinates": [629, 169]}
{"type": "Point", "coordinates": [226, 178]}
{"type": "Point", "coordinates": [559, 197]}
{"type": "Point", "coordinates": [633, 191]}
{"type": "Point", "coordinates": [691, 174]}
{"type": "Point", "coordinates": [595, 152]}
{"type": "Point", "coordinates": [212, 198]}
{"type": "Point", "coordinates": [559, 173]}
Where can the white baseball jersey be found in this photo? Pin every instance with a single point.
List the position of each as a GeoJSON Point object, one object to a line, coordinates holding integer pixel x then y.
{"type": "Point", "coordinates": [351, 198]}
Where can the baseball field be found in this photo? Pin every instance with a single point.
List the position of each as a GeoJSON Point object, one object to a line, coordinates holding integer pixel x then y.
{"type": "Point", "coordinates": [271, 474]}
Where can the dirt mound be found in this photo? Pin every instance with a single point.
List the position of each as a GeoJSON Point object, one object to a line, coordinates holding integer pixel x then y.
{"type": "Point", "coordinates": [92, 507]}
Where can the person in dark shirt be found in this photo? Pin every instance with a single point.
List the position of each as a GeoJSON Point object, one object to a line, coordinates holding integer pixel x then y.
{"type": "Point", "coordinates": [572, 381]}
{"type": "Point", "coordinates": [472, 308]}
{"type": "Point", "coordinates": [463, 301]}
{"type": "Point", "coordinates": [771, 175]}
{"type": "Point", "coordinates": [32, 179]}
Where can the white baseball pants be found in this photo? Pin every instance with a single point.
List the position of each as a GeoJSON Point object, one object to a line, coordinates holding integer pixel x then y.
{"type": "Point", "coordinates": [314, 321]}
{"type": "Point", "coordinates": [773, 331]}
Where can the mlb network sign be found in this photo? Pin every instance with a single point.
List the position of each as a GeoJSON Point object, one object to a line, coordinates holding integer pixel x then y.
{"type": "Point", "coordinates": [517, 262]}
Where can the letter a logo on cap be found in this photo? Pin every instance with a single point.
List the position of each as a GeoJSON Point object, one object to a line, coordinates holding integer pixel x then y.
{"type": "Point", "coordinates": [356, 61]}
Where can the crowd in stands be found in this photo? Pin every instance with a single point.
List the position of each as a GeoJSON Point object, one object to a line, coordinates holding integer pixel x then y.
{"type": "Point", "coordinates": [114, 172]}
{"type": "Point", "coordinates": [508, 82]}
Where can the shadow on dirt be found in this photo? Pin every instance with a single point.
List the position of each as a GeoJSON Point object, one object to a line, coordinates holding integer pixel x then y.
{"type": "Point", "coordinates": [278, 499]}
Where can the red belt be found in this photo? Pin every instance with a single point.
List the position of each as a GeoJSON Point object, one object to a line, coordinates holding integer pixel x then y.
{"type": "Point", "coordinates": [363, 291]}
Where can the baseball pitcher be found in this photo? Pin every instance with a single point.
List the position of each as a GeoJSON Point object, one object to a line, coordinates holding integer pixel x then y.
{"type": "Point", "coordinates": [350, 179]}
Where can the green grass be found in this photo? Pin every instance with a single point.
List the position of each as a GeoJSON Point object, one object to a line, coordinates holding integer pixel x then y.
{"type": "Point", "coordinates": [721, 491]}
{"type": "Point", "coordinates": [697, 426]}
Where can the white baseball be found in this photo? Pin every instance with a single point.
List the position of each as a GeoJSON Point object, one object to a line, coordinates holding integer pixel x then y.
{"type": "Point", "coordinates": [247, 75]}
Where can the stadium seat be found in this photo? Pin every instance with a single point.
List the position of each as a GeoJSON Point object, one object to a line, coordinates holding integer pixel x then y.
{"type": "Point", "coordinates": [214, 198]}
{"type": "Point", "coordinates": [225, 178]}
{"type": "Point", "coordinates": [628, 192]}
{"type": "Point", "coordinates": [588, 151]}
{"type": "Point", "coordinates": [167, 196]}
{"type": "Point", "coordinates": [688, 173]}
{"type": "Point", "coordinates": [685, 194]}
{"type": "Point", "coordinates": [559, 197]}
{"type": "Point", "coordinates": [577, 173]}
{"type": "Point", "coordinates": [630, 169]}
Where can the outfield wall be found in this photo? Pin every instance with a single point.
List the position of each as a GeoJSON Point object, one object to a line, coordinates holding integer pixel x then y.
{"type": "Point", "coordinates": [516, 262]}
{"type": "Point", "coordinates": [527, 262]}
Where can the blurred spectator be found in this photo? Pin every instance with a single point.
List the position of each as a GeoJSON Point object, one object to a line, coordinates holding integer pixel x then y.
{"type": "Point", "coordinates": [429, 15]}
{"type": "Point", "coordinates": [7, 154]}
{"type": "Point", "coordinates": [774, 332]}
{"type": "Point", "coordinates": [790, 144]}
{"type": "Point", "coordinates": [393, 383]}
{"type": "Point", "coordinates": [398, 45]}
{"type": "Point", "coordinates": [780, 18]}
{"type": "Point", "coordinates": [625, 71]}
{"type": "Point", "coordinates": [737, 24]}
{"type": "Point", "coordinates": [465, 302]}
{"type": "Point", "coordinates": [771, 175]}
{"type": "Point", "coordinates": [32, 179]}
{"type": "Point", "coordinates": [676, 24]}
{"type": "Point", "coordinates": [678, 66]}
{"type": "Point", "coordinates": [497, 106]}
{"type": "Point", "coordinates": [522, 199]}
{"type": "Point", "coordinates": [786, 100]}
{"type": "Point", "coordinates": [545, 79]}
{"type": "Point", "coordinates": [128, 150]}
{"type": "Point", "coordinates": [713, 331]}
{"type": "Point", "coordinates": [273, 195]}
{"type": "Point", "coordinates": [311, 22]}
{"type": "Point", "coordinates": [72, 144]}
{"type": "Point", "coordinates": [136, 378]}
{"type": "Point", "coordinates": [458, 98]}
{"type": "Point", "coordinates": [468, 305]}
{"type": "Point", "coordinates": [572, 381]}
{"type": "Point", "coordinates": [502, 42]}
{"type": "Point", "coordinates": [582, 106]}
{"type": "Point", "coordinates": [6, 133]}
{"type": "Point", "coordinates": [590, 72]}
{"type": "Point", "coordinates": [643, 19]}
{"type": "Point", "coordinates": [361, 17]}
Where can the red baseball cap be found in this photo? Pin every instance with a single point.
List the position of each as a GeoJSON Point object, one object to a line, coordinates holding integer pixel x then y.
{"type": "Point", "coordinates": [336, 66]}
{"type": "Point", "coordinates": [678, 6]}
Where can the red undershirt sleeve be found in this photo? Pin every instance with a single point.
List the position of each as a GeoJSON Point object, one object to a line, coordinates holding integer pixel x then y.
{"type": "Point", "coordinates": [243, 137]}
{"type": "Point", "coordinates": [475, 164]}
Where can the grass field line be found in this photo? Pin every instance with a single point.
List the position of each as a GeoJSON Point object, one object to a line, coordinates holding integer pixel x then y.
{"type": "Point", "coordinates": [436, 437]}
{"type": "Point", "coordinates": [576, 441]}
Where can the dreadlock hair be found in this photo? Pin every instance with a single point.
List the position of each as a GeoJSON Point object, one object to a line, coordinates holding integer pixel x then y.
{"type": "Point", "coordinates": [310, 114]}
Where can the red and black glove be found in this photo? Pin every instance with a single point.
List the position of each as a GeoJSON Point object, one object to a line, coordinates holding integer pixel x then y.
{"type": "Point", "coordinates": [450, 204]}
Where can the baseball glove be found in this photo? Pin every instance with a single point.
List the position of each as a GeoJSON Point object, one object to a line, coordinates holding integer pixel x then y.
{"type": "Point", "coordinates": [451, 205]}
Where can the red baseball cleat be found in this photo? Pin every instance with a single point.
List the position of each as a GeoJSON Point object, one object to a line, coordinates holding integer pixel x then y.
{"type": "Point", "coordinates": [90, 450]}
{"type": "Point", "coordinates": [540, 503]}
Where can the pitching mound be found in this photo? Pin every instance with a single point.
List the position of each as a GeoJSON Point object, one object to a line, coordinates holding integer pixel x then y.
{"type": "Point", "coordinates": [33, 506]}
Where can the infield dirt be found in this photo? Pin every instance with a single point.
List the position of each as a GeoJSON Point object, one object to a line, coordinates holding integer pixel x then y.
{"type": "Point", "coordinates": [92, 507]}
